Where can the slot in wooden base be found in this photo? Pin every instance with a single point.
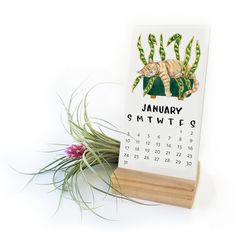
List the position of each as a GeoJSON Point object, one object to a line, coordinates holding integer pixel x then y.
{"type": "Point", "coordinates": [154, 187]}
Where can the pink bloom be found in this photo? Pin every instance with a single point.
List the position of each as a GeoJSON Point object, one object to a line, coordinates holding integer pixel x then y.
{"type": "Point", "coordinates": [75, 151]}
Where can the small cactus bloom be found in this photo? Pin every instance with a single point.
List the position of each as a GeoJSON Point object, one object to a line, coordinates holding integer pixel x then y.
{"type": "Point", "coordinates": [75, 151]}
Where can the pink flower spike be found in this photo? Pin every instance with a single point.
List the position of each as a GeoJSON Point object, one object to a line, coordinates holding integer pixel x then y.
{"type": "Point", "coordinates": [75, 151]}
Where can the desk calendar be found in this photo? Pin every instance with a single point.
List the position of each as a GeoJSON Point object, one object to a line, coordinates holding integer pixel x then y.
{"type": "Point", "coordinates": [164, 103]}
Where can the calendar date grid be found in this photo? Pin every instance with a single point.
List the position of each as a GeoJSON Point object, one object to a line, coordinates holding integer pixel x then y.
{"type": "Point", "coordinates": [162, 149]}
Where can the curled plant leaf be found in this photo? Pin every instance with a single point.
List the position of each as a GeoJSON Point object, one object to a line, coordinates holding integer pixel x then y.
{"type": "Point", "coordinates": [177, 39]}
{"type": "Point", "coordinates": [141, 51]}
{"type": "Point", "coordinates": [162, 50]}
{"type": "Point", "coordinates": [176, 48]}
{"type": "Point", "coordinates": [181, 86]}
{"type": "Point", "coordinates": [195, 64]}
{"type": "Point", "coordinates": [187, 56]}
{"type": "Point", "coordinates": [149, 85]}
{"type": "Point", "coordinates": [151, 41]}
{"type": "Point", "coordinates": [137, 80]}
{"type": "Point", "coordinates": [188, 83]}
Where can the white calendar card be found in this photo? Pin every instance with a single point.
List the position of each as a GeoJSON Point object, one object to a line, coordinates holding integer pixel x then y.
{"type": "Point", "coordinates": [164, 100]}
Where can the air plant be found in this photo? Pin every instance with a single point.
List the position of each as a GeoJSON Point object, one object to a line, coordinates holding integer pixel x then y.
{"type": "Point", "coordinates": [91, 148]}
{"type": "Point", "coordinates": [184, 82]}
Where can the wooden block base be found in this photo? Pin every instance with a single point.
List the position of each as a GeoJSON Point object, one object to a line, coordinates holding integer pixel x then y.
{"type": "Point", "coordinates": [154, 187]}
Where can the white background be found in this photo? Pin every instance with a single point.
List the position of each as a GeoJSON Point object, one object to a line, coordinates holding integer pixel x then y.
{"type": "Point", "coordinates": [49, 47]}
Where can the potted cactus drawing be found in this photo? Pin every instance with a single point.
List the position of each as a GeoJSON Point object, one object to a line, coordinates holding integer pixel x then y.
{"type": "Point", "coordinates": [168, 77]}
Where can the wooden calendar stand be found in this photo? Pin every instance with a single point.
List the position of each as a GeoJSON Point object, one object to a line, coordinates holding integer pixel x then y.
{"type": "Point", "coordinates": [154, 187]}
